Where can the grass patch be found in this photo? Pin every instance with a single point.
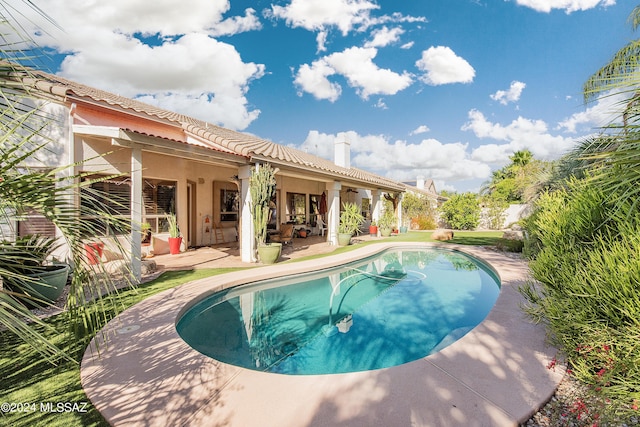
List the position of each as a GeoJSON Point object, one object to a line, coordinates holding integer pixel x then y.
{"type": "Point", "coordinates": [468, 238]}
{"type": "Point", "coordinates": [29, 379]}
{"type": "Point", "coordinates": [477, 238]}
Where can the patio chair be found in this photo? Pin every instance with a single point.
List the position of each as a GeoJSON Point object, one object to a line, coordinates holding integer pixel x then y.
{"type": "Point", "coordinates": [322, 227]}
{"type": "Point", "coordinates": [285, 236]}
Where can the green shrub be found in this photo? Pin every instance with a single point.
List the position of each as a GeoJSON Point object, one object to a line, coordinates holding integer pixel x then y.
{"type": "Point", "coordinates": [510, 245]}
{"type": "Point", "coordinates": [416, 208]}
{"type": "Point", "coordinates": [426, 223]}
{"type": "Point", "coordinates": [462, 211]}
{"type": "Point", "coordinates": [586, 256]}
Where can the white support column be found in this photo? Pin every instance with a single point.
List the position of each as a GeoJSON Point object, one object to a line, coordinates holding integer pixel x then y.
{"type": "Point", "coordinates": [247, 238]}
{"type": "Point", "coordinates": [136, 214]}
{"type": "Point", "coordinates": [72, 197]}
{"type": "Point", "coordinates": [307, 209]}
{"type": "Point", "coordinates": [376, 205]}
{"type": "Point", "coordinates": [333, 214]}
{"type": "Point", "coordinates": [400, 197]}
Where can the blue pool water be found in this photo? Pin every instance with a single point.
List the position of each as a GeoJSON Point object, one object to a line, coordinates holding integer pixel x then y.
{"type": "Point", "coordinates": [393, 308]}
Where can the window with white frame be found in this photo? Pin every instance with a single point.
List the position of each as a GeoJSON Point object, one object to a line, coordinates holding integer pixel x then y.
{"type": "Point", "coordinates": [113, 196]}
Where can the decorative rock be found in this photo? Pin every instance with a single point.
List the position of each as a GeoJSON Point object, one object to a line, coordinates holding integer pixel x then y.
{"type": "Point", "coordinates": [442, 235]}
{"type": "Point", "coordinates": [513, 235]}
{"type": "Point", "coordinates": [148, 266]}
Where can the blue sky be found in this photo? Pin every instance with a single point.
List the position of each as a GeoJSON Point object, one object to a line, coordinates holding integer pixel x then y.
{"type": "Point", "coordinates": [447, 89]}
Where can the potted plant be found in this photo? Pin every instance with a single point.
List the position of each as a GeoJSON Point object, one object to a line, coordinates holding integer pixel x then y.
{"type": "Point", "coordinates": [175, 239]}
{"type": "Point", "coordinates": [386, 223]}
{"type": "Point", "coordinates": [373, 228]}
{"type": "Point", "coordinates": [262, 186]}
{"type": "Point", "coordinates": [145, 230]}
{"type": "Point", "coordinates": [28, 271]}
{"type": "Point", "coordinates": [350, 221]}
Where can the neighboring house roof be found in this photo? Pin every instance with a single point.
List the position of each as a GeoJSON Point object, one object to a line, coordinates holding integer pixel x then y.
{"type": "Point", "coordinates": [428, 190]}
{"type": "Point", "coordinates": [428, 185]}
{"type": "Point", "coordinates": [429, 194]}
{"type": "Point", "coordinates": [220, 138]}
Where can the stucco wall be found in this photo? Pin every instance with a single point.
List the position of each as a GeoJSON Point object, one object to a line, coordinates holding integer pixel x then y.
{"type": "Point", "coordinates": [514, 213]}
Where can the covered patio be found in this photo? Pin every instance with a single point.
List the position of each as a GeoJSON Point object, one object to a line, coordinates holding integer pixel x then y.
{"type": "Point", "coordinates": [147, 165]}
{"type": "Point", "coordinates": [228, 255]}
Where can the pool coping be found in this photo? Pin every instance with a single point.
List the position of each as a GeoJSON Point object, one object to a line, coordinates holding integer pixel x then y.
{"type": "Point", "coordinates": [146, 375]}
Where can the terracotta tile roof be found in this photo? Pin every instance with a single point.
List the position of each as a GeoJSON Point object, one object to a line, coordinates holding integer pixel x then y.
{"type": "Point", "coordinates": [218, 137]}
{"type": "Point", "coordinates": [183, 142]}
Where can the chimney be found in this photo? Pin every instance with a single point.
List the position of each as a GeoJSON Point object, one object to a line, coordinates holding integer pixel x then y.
{"type": "Point", "coordinates": [342, 152]}
{"type": "Point", "coordinates": [420, 182]}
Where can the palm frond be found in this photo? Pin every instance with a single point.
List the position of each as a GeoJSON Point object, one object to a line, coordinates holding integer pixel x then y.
{"type": "Point", "coordinates": [621, 71]}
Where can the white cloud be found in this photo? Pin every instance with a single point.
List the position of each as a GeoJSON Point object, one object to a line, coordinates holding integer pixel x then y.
{"type": "Point", "coordinates": [606, 110]}
{"type": "Point", "coordinates": [130, 17]}
{"type": "Point", "coordinates": [313, 79]}
{"type": "Point", "coordinates": [321, 41]}
{"type": "Point", "coordinates": [400, 160]}
{"type": "Point", "coordinates": [449, 164]}
{"type": "Point", "coordinates": [442, 66]}
{"type": "Point", "coordinates": [201, 105]}
{"type": "Point", "coordinates": [420, 129]}
{"type": "Point", "coordinates": [381, 104]}
{"type": "Point", "coordinates": [237, 24]}
{"type": "Point", "coordinates": [510, 95]}
{"type": "Point", "coordinates": [407, 45]}
{"type": "Point", "coordinates": [396, 18]}
{"type": "Point", "coordinates": [568, 5]}
{"type": "Point", "coordinates": [316, 15]}
{"type": "Point", "coordinates": [384, 37]}
{"type": "Point", "coordinates": [107, 46]}
{"type": "Point", "coordinates": [357, 66]}
{"type": "Point", "coordinates": [520, 134]}
{"type": "Point", "coordinates": [343, 15]}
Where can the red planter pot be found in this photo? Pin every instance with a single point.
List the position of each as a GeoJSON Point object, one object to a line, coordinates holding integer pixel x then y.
{"type": "Point", "coordinates": [94, 252]}
{"type": "Point", "coordinates": [373, 230]}
{"type": "Point", "coordinates": [174, 245]}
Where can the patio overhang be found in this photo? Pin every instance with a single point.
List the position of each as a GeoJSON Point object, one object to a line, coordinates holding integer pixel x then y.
{"type": "Point", "coordinates": [313, 173]}
{"type": "Point", "coordinates": [155, 144]}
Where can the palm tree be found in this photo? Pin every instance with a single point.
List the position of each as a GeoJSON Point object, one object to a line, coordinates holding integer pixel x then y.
{"type": "Point", "coordinates": [521, 158]}
{"type": "Point", "coordinates": [51, 194]}
{"type": "Point", "coordinates": [621, 71]}
{"type": "Point", "coordinates": [614, 157]}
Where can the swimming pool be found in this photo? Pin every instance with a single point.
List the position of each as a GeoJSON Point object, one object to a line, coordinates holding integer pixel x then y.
{"type": "Point", "coordinates": [389, 309]}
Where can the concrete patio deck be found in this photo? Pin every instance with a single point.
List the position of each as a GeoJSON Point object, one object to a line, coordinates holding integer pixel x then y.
{"type": "Point", "coordinates": [496, 375]}
{"type": "Point", "coordinates": [228, 254]}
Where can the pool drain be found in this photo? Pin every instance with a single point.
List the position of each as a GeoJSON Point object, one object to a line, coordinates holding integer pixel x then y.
{"type": "Point", "coordinates": [128, 329]}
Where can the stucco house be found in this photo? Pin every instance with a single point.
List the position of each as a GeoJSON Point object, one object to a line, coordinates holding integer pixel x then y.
{"type": "Point", "coordinates": [172, 163]}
